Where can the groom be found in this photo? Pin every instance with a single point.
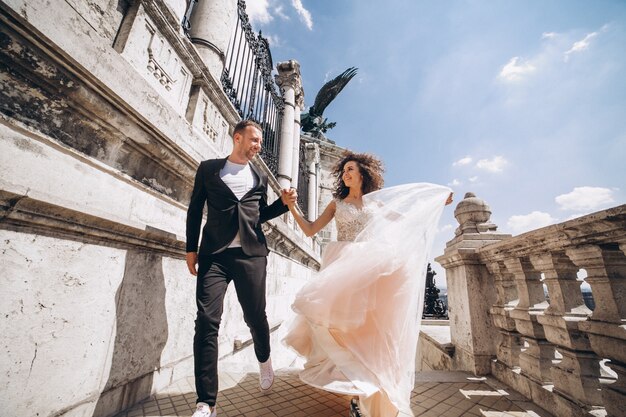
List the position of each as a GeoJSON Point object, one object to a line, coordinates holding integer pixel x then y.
{"type": "Point", "coordinates": [234, 249]}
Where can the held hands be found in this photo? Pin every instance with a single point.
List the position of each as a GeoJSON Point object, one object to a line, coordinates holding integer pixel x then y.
{"type": "Point", "coordinates": [289, 197]}
{"type": "Point", "coordinates": [449, 200]}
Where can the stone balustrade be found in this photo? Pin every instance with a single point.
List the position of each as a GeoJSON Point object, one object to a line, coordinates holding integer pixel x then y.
{"type": "Point", "coordinates": [551, 347]}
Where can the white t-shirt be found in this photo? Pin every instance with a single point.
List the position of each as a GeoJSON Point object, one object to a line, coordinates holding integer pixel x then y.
{"type": "Point", "coordinates": [240, 179]}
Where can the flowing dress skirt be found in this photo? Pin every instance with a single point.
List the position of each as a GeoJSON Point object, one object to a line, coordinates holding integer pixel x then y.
{"type": "Point", "coordinates": [357, 321]}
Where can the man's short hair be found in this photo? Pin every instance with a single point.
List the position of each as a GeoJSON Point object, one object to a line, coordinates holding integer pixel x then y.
{"type": "Point", "coordinates": [241, 126]}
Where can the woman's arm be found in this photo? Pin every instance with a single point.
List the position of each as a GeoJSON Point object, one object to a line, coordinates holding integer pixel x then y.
{"type": "Point", "coordinates": [311, 228]}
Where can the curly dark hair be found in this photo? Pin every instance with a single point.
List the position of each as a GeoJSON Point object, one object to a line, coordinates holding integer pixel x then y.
{"type": "Point", "coordinates": [370, 167]}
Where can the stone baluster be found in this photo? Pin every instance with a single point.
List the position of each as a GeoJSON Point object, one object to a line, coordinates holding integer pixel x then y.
{"type": "Point", "coordinates": [536, 359]}
{"type": "Point", "coordinates": [509, 346]}
{"type": "Point", "coordinates": [606, 274]}
{"type": "Point", "coordinates": [289, 81]}
{"type": "Point", "coordinates": [577, 375]}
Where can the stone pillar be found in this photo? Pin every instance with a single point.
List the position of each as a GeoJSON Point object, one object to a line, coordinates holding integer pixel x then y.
{"type": "Point", "coordinates": [212, 25]}
{"type": "Point", "coordinates": [299, 105]}
{"type": "Point", "coordinates": [471, 290]}
{"type": "Point", "coordinates": [289, 81]}
{"type": "Point", "coordinates": [312, 154]}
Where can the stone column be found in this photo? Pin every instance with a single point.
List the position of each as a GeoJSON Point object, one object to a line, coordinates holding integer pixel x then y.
{"type": "Point", "coordinates": [471, 289]}
{"type": "Point", "coordinates": [312, 154]}
{"type": "Point", "coordinates": [299, 105]}
{"type": "Point", "coordinates": [289, 80]}
{"type": "Point", "coordinates": [212, 25]}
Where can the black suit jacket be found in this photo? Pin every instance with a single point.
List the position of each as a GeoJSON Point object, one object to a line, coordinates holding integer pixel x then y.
{"type": "Point", "coordinates": [228, 215]}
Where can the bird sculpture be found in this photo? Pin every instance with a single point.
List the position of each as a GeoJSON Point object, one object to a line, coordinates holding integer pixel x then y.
{"type": "Point", "coordinates": [313, 121]}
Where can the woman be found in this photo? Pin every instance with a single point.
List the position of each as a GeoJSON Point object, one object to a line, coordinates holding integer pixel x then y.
{"type": "Point", "coordinates": [357, 322]}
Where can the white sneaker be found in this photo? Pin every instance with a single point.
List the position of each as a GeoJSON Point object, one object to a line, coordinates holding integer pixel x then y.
{"type": "Point", "coordinates": [204, 410]}
{"type": "Point", "coordinates": [266, 376]}
{"type": "Point", "coordinates": [354, 408]}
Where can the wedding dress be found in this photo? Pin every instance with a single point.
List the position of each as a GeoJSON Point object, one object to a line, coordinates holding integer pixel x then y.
{"type": "Point", "coordinates": [357, 321]}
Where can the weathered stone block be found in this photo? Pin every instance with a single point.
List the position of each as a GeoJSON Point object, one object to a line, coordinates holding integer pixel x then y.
{"type": "Point", "coordinates": [59, 313]}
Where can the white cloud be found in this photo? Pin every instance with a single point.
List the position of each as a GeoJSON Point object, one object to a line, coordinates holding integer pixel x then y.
{"type": "Point", "coordinates": [455, 183]}
{"type": "Point", "coordinates": [496, 164]}
{"type": "Point", "coordinates": [575, 216]}
{"type": "Point", "coordinates": [274, 40]}
{"type": "Point", "coordinates": [585, 199]}
{"type": "Point", "coordinates": [581, 45]}
{"type": "Point", "coordinates": [463, 161]}
{"type": "Point", "coordinates": [515, 69]}
{"type": "Point", "coordinates": [445, 228]}
{"type": "Point", "coordinates": [258, 11]}
{"type": "Point", "coordinates": [548, 35]}
{"type": "Point", "coordinates": [473, 179]}
{"type": "Point", "coordinates": [305, 15]}
{"type": "Point", "coordinates": [525, 222]}
{"type": "Point", "coordinates": [280, 13]}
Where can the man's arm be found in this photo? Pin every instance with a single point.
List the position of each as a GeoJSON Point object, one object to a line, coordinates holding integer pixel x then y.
{"type": "Point", "coordinates": [278, 207]}
{"type": "Point", "coordinates": [194, 220]}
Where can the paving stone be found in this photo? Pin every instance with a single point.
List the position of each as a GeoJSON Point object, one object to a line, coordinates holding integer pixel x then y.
{"type": "Point", "coordinates": [454, 395]}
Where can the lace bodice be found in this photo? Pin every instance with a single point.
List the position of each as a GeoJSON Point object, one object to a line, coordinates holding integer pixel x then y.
{"type": "Point", "coordinates": [350, 220]}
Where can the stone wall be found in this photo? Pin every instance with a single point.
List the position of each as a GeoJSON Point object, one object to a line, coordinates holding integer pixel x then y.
{"type": "Point", "coordinates": [106, 110]}
{"type": "Point", "coordinates": [434, 348]}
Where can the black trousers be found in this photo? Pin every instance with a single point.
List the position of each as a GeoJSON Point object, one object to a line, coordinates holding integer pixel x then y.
{"type": "Point", "coordinates": [214, 274]}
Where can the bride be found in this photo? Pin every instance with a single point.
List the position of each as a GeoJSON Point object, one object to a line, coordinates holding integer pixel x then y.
{"type": "Point", "coordinates": [357, 322]}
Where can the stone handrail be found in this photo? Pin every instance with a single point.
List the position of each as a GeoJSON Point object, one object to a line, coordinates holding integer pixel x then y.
{"type": "Point", "coordinates": [550, 345]}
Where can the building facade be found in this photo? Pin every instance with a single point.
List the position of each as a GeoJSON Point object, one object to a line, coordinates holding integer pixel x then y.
{"type": "Point", "coordinates": [106, 109]}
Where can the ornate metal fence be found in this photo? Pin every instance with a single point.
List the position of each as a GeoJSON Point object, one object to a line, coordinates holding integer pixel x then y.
{"type": "Point", "coordinates": [247, 80]}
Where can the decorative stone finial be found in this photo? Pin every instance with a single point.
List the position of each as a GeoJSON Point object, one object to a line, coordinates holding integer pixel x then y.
{"type": "Point", "coordinates": [473, 215]}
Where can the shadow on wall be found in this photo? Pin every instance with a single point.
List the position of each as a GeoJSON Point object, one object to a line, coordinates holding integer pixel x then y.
{"type": "Point", "coordinates": [141, 333]}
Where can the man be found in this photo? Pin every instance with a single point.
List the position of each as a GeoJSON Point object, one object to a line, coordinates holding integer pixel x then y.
{"type": "Point", "coordinates": [234, 249]}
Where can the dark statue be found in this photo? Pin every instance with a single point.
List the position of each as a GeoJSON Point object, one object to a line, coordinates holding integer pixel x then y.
{"type": "Point", "coordinates": [312, 121]}
{"type": "Point", "coordinates": [434, 308]}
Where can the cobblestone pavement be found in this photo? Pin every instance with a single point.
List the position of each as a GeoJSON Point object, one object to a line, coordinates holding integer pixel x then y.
{"type": "Point", "coordinates": [449, 394]}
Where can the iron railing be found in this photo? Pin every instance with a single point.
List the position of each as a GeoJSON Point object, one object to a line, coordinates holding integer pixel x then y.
{"type": "Point", "coordinates": [247, 81]}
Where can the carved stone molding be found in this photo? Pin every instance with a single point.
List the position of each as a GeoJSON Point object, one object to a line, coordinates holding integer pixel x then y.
{"type": "Point", "coordinates": [300, 100]}
{"type": "Point", "coordinates": [27, 215]}
{"type": "Point", "coordinates": [289, 77]}
{"type": "Point", "coordinates": [169, 25]}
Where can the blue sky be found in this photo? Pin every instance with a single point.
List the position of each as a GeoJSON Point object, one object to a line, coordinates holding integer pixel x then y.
{"type": "Point", "coordinates": [520, 102]}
